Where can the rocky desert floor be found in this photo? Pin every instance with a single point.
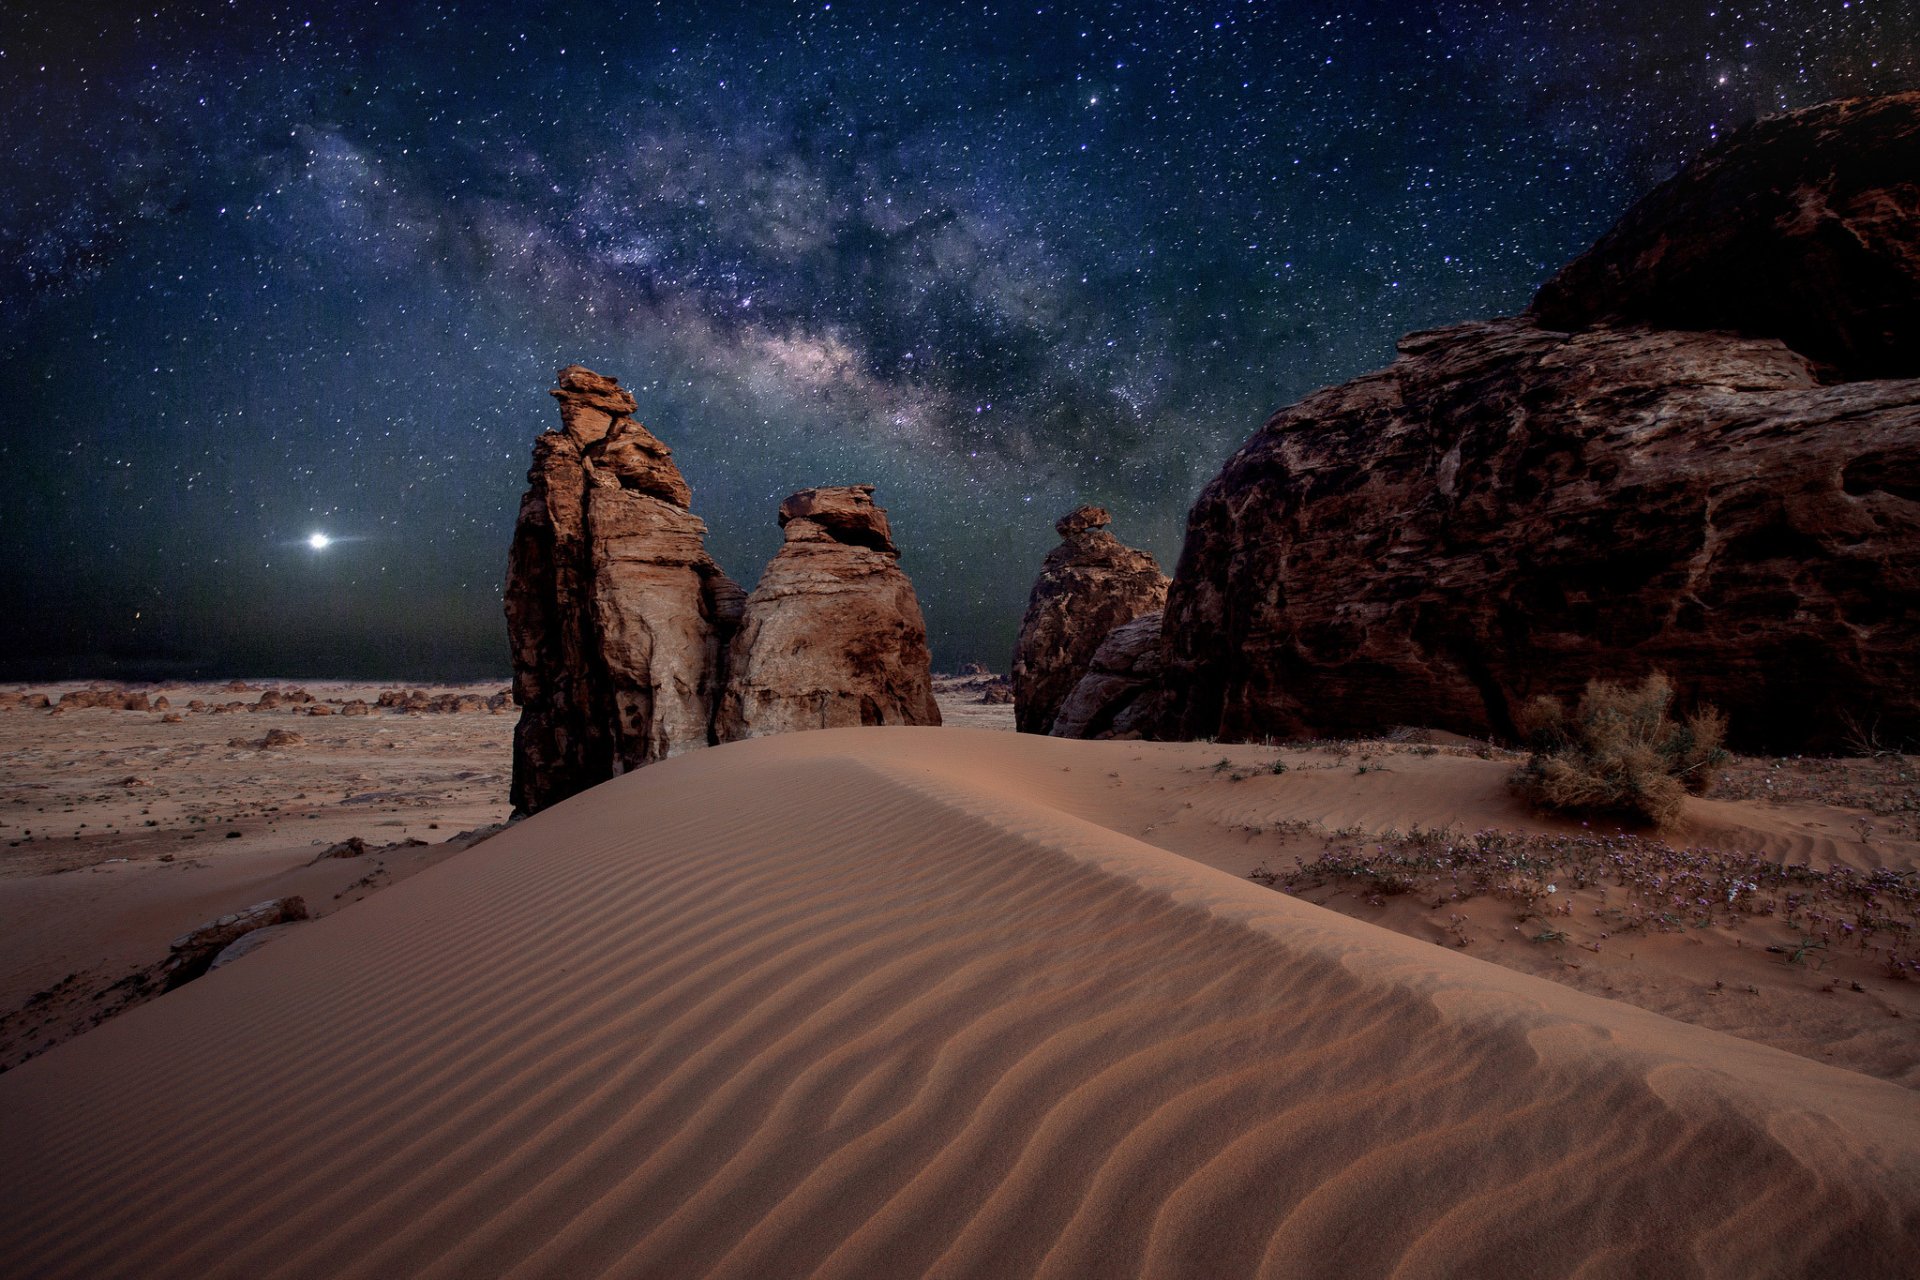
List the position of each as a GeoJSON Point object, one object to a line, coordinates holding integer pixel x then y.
{"type": "Point", "coordinates": [121, 830]}
{"type": "Point", "coordinates": [1782, 911]}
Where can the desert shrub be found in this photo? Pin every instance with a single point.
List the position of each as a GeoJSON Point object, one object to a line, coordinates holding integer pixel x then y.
{"type": "Point", "coordinates": [1620, 753]}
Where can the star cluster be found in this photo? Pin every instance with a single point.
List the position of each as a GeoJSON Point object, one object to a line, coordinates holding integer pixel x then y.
{"type": "Point", "coordinates": [272, 269]}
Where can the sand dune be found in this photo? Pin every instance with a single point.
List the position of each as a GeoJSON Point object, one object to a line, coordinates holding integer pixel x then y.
{"type": "Point", "coordinates": [887, 1003]}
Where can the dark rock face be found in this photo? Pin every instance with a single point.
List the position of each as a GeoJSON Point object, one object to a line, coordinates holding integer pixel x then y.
{"type": "Point", "coordinates": [833, 635]}
{"type": "Point", "coordinates": [1511, 508]}
{"type": "Point", "coordinates": [1509, 511]}
{"type": "Point", "coordinates": [1803, 227]}
{"type": "Point", "coordinates": [1088, 585]}
{"type": "Point", "coordinates": [616, 615]}
{"type": "Point", "coordinates": [1115, 699]}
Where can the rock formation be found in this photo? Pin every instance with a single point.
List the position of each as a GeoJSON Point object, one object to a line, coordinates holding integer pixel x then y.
{"type": "Point", "coordinates": [1115, 699]}
{"type": "Point", "coordinates": [1600, 488]}
{"type": "Point", "coordinates": [1803, 227]}
{"type": "Point", "coordinates": [1088, 585]}
{"type": "Point", "coordinates": [832, 635]}
{"type": "Point", "coordinates": [616, 615]}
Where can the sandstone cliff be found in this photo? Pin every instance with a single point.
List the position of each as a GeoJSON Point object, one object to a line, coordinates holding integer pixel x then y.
{"type": "Point", "coordinates": [1088, 585]}
{"type": "Point", "coordinates": [1604, 487]}
{"type": "Point", "coordinates": [833, 635]}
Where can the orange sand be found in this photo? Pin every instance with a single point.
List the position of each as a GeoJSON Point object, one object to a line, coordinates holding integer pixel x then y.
{"type": "Point", "coordinates": [899, 1002]}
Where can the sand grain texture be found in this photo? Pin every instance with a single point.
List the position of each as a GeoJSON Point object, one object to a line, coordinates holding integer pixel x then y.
{"type": "Point", "coordinates": [855, 1003]}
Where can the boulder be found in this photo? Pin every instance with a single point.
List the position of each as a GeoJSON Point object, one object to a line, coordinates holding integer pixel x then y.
{"type": "Point", "coordinates": [614, 608]}
{"type": "Point", "coordinates": [1510, 511]}
{"type": "Point", "coordinates": [832, 635]}
{"type": "Point", "coordinates": [1090, 584]}
{"type": "Point", "coordinates": [1115, 699]}
{"type": "Point", "coordinates": [1687, 456]}
{"type": "Point", "coordinates": [1803, 227]}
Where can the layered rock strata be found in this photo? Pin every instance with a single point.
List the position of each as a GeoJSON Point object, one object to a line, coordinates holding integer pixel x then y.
{"type": "Point", "coordinates": [1088, 585]}
{"type": "Point", "coordinates": [1602, 488]}
{"type": "Point", "coordinates": [832, 635]}
{"type": "Point", "coordinates": [617, 616]}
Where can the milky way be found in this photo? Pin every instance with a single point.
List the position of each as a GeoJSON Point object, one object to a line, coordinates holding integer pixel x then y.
{"type": "Point", "coordinates": [271, 270]}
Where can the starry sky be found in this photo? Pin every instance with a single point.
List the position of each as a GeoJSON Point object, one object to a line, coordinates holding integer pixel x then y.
{"type": "Point", "coordinates": [271, 269]}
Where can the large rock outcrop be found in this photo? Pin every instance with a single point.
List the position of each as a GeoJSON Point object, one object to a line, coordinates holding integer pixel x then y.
{"type": "Point", "coordinates": [1601, 488]}
{"type": "Point", "coordinates": [832, 636]}
{"type": "Point", "coordinates": [1088, 585]}
{"type": "Point", "coordinates": [617, 617]}
{"type": "Point", "coordinates": [1803, 227]}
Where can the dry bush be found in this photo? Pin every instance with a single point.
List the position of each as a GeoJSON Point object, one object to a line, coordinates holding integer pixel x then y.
{"type": "Point", "coordinates": [1620, 753]}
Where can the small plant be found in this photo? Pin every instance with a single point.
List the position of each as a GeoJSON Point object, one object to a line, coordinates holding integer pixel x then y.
{"type": "Point", "coordinates": [1222, 765]}
{"type": "Point", "coordinates": [1277, 767]}
{"type": "Point", "coordinates": [1620, 753]}
{"type": "Point", "coordinates": [1550, 935]}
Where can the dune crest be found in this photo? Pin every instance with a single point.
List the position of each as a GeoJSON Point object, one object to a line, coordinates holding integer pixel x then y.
{"type": "Point", "coordinates": [852, 1003]}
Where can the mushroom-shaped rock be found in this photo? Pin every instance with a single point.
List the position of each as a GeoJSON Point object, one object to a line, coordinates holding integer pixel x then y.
{"type": "Point", "coordinates": [846, 512]}
{"type": "Point", "coordinates": [589, 403]}
{"type": "Point", "coordinates": [832, 636]}
{"type": "Point", "coordinates": [1088, 585]}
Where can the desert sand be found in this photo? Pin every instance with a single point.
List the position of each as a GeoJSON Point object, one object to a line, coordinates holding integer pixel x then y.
{"type": "Point", "coordinates": [890, 1002]}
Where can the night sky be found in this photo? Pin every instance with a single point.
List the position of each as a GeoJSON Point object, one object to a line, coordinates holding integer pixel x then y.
{"type": "Point", "coordinates": [268, 270]}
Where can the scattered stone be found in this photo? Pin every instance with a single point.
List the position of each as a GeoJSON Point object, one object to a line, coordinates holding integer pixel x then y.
{"type": "Point", "coordinates": [110, 699]}
{"type": "Point", "coordinates": [351, 847]}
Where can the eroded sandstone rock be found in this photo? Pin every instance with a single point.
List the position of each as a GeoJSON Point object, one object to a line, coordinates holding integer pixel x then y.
{"type": "Point", "coordinates": [1803, 227]}
{"type": "Point", "coordinates": [832, 635]}
{"type": "Point", "coordinates": [1116, 698]}
{"type": "Point", "coordinates": [614, 608]}
{"type": "Point", "coordinates": [1509, 511]}
{"type": "Point", "coordinates": [1088, 585]}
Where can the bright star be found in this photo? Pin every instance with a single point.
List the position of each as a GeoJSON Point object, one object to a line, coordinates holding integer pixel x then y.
{"type": "Point", "coordinates": [319, 542]}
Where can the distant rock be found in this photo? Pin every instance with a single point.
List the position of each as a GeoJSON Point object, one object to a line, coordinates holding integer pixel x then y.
{"type": "Point", "coordinates": [1803, 227]}
{"type": "Point", "coordinates": [1512, 509]}
{"type": "Point", "coordinates": [1115, 699]}
{"type": "Point", "coordinates": [351, 847]}
{"type": "Point", "coordinates": [832, 635]}
{"type": "Point", "coordinates": [109, 699]}
{"type": "Point", "coordinates": [1088, 585]}
{"type": "Point", "coordinates": [614, 608]}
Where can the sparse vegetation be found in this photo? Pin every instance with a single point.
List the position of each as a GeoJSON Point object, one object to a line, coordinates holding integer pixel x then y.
{"type": "Point", "coordinates": [1631, 883]}
{"type": "Point", "coordinates": [1620, 753]}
